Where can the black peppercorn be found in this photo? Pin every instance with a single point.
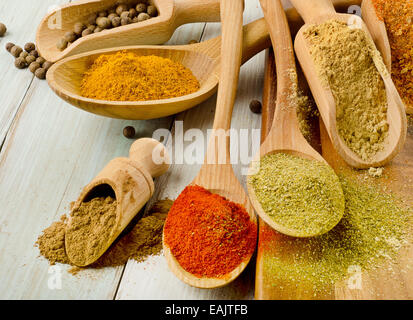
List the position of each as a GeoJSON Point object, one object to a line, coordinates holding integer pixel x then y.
{"type": "Point", "coordinates": [255, 106]}
{"type": "Point", "coordinates": [129, 132]}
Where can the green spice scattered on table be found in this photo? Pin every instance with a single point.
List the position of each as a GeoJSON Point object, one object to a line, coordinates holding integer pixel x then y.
{"type": "Point", "coordinates": [374, 229]}
{"type": "Point", "coordinates": [348, 63]}
{"type": "Point", "coordinates": [299, 194]}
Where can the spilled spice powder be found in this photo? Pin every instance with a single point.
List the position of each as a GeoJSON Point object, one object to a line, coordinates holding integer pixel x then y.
{"type": "Point", "coordinates": [207, 234]}
{"type": "Point", "coordinates": [348, 63]}
{"type": "Point", "coordinates": [144, 239]}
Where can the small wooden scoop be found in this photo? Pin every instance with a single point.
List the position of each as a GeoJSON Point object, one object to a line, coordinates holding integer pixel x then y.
{"type": "Point", "coordinates": [172, 14]}
{"type": "Point", "coordinates": [285, 135]}
{"type": "Point", "coordinates": [130, 182]}
{"type": "Point", "coordinates": [317, 12]}
{"type": "Point", "coordinates": [218, 176]}
{"type": "Point", "coordinates": [202, 59]}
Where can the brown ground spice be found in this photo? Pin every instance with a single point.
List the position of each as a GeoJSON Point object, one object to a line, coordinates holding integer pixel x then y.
{"type": "Point", "coordinates": [143, 240]}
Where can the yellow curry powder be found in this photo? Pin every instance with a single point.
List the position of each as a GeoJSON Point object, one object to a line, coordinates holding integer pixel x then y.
{"type": "Point", "coordinates": [126, 76]}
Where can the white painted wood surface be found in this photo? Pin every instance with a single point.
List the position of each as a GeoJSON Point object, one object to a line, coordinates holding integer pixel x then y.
{"type": "Point", "coordinates": [51, 150]}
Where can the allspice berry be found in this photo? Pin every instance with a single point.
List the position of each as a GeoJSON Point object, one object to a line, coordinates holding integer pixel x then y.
{"type": "Point", "coordinates": [143, 17]}
{"type": "Point", "coordinates": [34, 66]}
{"type": "Point", "coordinates": [78, 28]}
{"type": "Point", "coordinates": [141, 7]}
{"type": "Point", "coordinates": [91, 27]}
{"type": "Point", "coordinates": [125, 21]}
{"type": "Point", "coordinates": [34, 53]}
{"type": "Point", "coordinates": [256, 106]}
{"type": "Point", "coordinates": [116, 22]}
{"type": "Point", "coordinates": [9, 45]}
{"type": "Point", "coordinates": [103, 22]}
{"type": "Point", "coordinates": [20, 63]}
{"type": "Point", "coordinates": [129, 132]}
{"type": "Point", "coordinates": [40, 73]}
{"type": "Point", "coordinates": [98, 29]}
{"type": "Point", "coordinates": [152, 11]}
{"type": "Point", "coordinates": [112, 16]}
{"type": "Point", "coordinates": [86, 32]}
{"type": "Point", "coordinates": [15, 51]}
{"type": "Point", "coordinates": [30, 46]}
{"type": "Point", "coordinates": [30, 59]}
{"type": "Point", "coordinates": [62, 44]}
{"type": "Point", "coordinates": [120, 8]}
{"type": "Point", "coordinates": [24, 55]}
{"type": "Point", "coordinates": [40, 60]}
{"type": "Point", "coordinates": [125, 14]}
{"type": "Point", "coordinates": [46, 66]}
{"type": "Point", "coordinates": [70, 36]}
{"type": "Point", "coordinates": [133, 13]}
{"type": "Point", "coordinates": [3, 29]}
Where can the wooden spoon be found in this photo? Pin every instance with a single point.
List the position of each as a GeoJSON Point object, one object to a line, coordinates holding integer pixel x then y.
{"type": "Point", "coordinates": [285, 135]}
{"type": "Point", "coordinates": [203, 59]}
{"type": "Point", "coordinates": [377, 30]}
{"type": "Point", "coordinates": [218, 176]}
{"type": "Point", "coordinates": [319, 11]}
{"type": "Point", "coordinates": [158, 30]}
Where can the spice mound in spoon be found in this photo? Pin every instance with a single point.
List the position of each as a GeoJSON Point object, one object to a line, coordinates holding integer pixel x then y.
{"type": "Point", "coordinates": [90, 228]}
{"type": "Point", "coordinates": [208, 235]}
{"type": "Point", "coordinates": [304, 197]}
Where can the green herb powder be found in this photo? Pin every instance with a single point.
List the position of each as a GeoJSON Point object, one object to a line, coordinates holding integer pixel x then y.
{"type": "Point", "coordinates": [299, 194]}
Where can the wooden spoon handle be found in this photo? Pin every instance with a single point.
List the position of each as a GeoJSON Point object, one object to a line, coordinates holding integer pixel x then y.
{"type": "Point", "coordinates": [191, 11]}
{"type": "Point", "coordinates": [310, 10]}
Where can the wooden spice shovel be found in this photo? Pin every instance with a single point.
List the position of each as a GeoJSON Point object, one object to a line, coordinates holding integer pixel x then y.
{"type": "Point", "coordinates": [203, 59]}
{"type": "Point", "coordinates": [285, 135]}
{"type": "Point", "coordinates": [130, 181]}
{"type": "Point", "coordinates": [317, 12]}
{"type": "Point", "coordinates": [158, 30]}
{"type": "Point", "coordinates": [219, 177]}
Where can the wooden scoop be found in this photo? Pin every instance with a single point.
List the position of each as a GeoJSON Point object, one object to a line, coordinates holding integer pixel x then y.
{"type": "Point", "coordinates": [130, 182]}
{"type": "Point", "coordinates": [285, 135]}
{"type": "Point", "coordinates": [218, 176]}
{"type": "Point", "coordinates": [317, 12]}
{"type": "Point", "coordinates": [158, 30]}
{"type": "Point", "coordinates": [202, 59]}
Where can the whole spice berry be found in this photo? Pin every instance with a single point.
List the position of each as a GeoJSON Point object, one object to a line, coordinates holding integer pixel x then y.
{"type": "Point", "coordinates": [9, 45]}
{"type": "Point", "coordinates": [30, 46]}
{"type": "Point", "coordinates": [40, 60]}
{"type": "Point", "coordinates": [116, 22]}
{"type": "Point", "coordinates": [78, 28]}
{"type": "Point", "coordinates": [86, 32]}
{"type": "Point", "coordinates": [256, 106]}
{"type": "Point", "coordinates": [103, 22]}
{"type": "Point", "coordinates": [62, 44]}
{"type": "Point", "coordinates": [24, 55]}
{"type": "Point", "coordinates": [91, 27]}
{"type": "Point", "coordinates": [15, 51]}
{"type": "Point", "coordinates": [125, 21]}
{"type": "Point", "coordinates": [112, 16]}
{"type": "Point", "coordinates": [20, 63]}
{"type": "Point", "coordinates": [152, 11]}
{"type": "Point", "coordinates": [47, 65]}
{"type": "Point", "coordinates": [92, 18]}
{"type": "Point", "coordinates": [143, 17]}
{"type": "Point", "coordinates": [30, 59]}
{"type": "Point", "coordinates": [120, 8]}
{"type": "Point", "coordinates": [141, 7]}
{"type": "Point", "coordinates": [133, 13]}
{"type": "Point", "coordinates": [129, 132]}
{"type": "Point", "coordinates": [3, 29]}
{"type": "Point", "coordinates": [70, 36]}
{"type": "Point", "coordinates": [34, 53]}
{"type": "Point", "coordinates": [98, 29]}
{"type": "Point", "coordinates": [34, 66]}
{"type": "Point", "coordinates": [125, 14]}
{"type": "Point", "coordinates": [40, 73]}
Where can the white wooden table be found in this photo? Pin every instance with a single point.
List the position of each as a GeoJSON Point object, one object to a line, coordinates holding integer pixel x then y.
{"type": "Point", "coordinates": [50, 150]}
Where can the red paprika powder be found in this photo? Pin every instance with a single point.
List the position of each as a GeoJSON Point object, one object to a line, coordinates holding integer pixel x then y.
{"type": "Point", "coordinates": [209, 235]}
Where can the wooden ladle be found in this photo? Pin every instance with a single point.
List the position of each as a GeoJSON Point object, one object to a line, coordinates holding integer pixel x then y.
{"type": "Point", "coordinates": [285, 135]}
{"type": "Point", "coordinates": [202, 59]}
{"type": "Point", "coordinates": [158, 30]}
{"type": "Point", "coordinates": [130, 182]}
{"type": "Point", "coordinates": [218, 176]}
{"type": "Point", "coordinates": [317, 12]}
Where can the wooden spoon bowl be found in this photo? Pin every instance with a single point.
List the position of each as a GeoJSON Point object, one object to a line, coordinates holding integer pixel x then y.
{"type": "Point", "coordinates": [317, 12]}
{"type": "Point", "coordinates": [157, 30]}
{"type": "Point", "coordinates": [203, 59]}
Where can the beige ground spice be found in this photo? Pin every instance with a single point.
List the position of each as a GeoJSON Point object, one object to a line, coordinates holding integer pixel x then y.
{"type": "Point", "coordinates": [348, 63]}
{"type": "Point", "coordinates": [142, 240]}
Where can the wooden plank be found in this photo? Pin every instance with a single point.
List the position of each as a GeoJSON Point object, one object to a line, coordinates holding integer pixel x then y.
{"type": "Point", "coordinates": [51, 152]}
{"type": "Point", "coordinates": [152, 279]}
{"type": "Point", "coordinates": [21, 19]}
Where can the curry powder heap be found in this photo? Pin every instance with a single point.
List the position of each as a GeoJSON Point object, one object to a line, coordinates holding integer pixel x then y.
{"type": "Point", "coordinates": [348, 63]}
{"type": "Point", "coordinates": [126, 76]}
